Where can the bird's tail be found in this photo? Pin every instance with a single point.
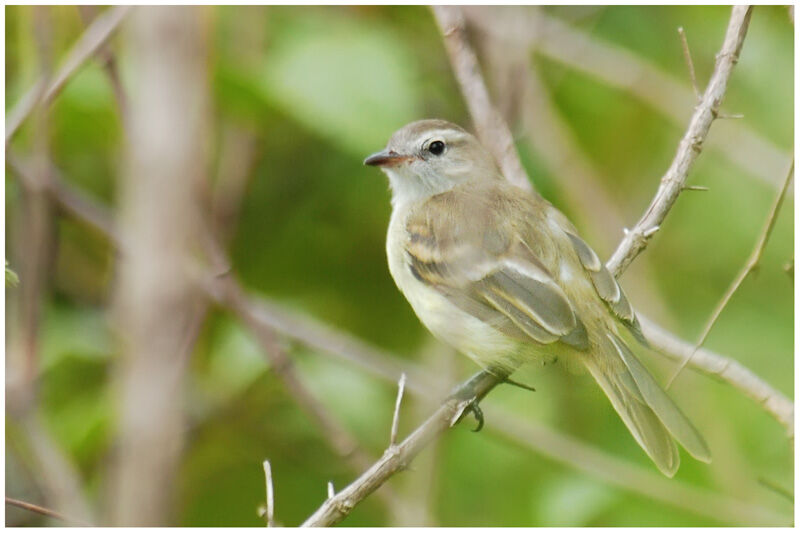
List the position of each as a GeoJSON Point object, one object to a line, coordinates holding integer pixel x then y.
{"type": "Point", "coordinates": [651, 416]}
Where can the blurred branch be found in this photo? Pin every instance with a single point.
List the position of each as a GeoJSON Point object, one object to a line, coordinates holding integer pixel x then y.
{"type": "Point", "coordinates": [750, 266]}
{"type": "Point", "coordinates": [617, 67]}
{"type": "Point", "coordinates": [489, 125]}
{"type": "Point", "coordinates": [38, 509]}
{"type": "Point", "coordinates": [45, 90]}
{"type": "Point", "coordinates": [689, 148]}
{"type": "Point", "coordinates": [155, 303]}
{"type": "Point", "coordinates": [89, 13]}
{"type": "Point", "coordinates": [230, 295]}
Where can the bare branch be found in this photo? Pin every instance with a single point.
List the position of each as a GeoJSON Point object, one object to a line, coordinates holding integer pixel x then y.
{"type": "Point", "coordinates": [331, 490]}
{"type": "Point", "coordinates": [46, 512]}
{"type": "Point", "coordinates": [724, 368]}
{"type": "Point", "coordinates": [689, 148]}
{"type": "Point", "coordinates": [401, 385]}
{"type": "Point", "coordinates": [687, 55]}
{"type": "Point", "coordinates": [270, 510]}
{"type": "Point", "coordinates": [619, 68]}
{"type": "Point", "coordinates": [750, 266]}
{"type": "Point", "coordinates": [489, 125]}
{"type": "Point", "coordinates": [397, 458]}
{"type": "Point", "coordinates": [43, 92]}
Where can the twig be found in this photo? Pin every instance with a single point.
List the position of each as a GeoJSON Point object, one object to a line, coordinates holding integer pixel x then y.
{"type": "Point", "coordinates": [45, 512]}
{"type": "Point", "coordinates": [689, 147]}
{"type": "Point", "coordinates": [489, 125]}
{"type": "Point", "coordinates": [397, 458]}
{"type": "Point", "coordinates": [331, 490]}
{"type": "Point", "coordinates": [750, 266]}
{"type": "Point", "coordinates": [687, 55]}
{"type": "Point", "coordinates": [724, 368]}
{"type": "Point", "coordinates": [43, 92]}
{"type": "Point", "coordinates": [401, 385]}
{"type": "Point", "coordinates": [270, 510]}
{"type": "Point", "coordinates": [618, 68]}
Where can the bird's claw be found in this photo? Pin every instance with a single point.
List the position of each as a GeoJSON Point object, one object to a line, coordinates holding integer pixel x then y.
{"type": "Point", "coordinates": [477, 412]}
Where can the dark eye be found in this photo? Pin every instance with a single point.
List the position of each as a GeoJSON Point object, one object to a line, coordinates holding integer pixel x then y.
{"type": "Point", "coordinates": [436, 147]}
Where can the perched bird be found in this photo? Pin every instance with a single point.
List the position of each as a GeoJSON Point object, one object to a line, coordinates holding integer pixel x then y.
{"type": "Point", "coordinates": [501, 275]}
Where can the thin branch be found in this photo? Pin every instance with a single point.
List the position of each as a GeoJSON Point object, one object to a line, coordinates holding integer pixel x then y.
{"type": "Point", "coordinates": [270, 510]}
{"type": "Point", "coordinates": [750, 266]}
{"type": "Point", "coordinates": [619, 68]}
{"type": "Point", "coordinates": [397, 458]}
{"type": "Point", "coordinates": [687, 55]}
{"type": "Point", "coordinates": [689, 147]}
{"type": "Point", "coordinates": [44, 91]}
{"type": "Point", "coordinates": [489, 125]}
{"type": "Point", "coordinates": [401, 385]}
{"type": "Point", "coordinates": [38, 509]}
{"type": "Point", "coordinates": [724, 368]}
{"type": "Point", "coordinates": [331, 490]}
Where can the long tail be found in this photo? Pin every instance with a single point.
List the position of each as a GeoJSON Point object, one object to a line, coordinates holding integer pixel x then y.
{"type": "Point", "coordinates": [651, 416]}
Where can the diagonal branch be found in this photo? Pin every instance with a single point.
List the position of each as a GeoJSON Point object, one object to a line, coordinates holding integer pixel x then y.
{"type": "Point", "coordinates": [689, 148]}
{"type": "Point", "coordinates": [750, 266]}
{"type": "Point", "coordinates": [44, 511]}
{"type": "Point", "coordinates": [44, 91]}
{"type": "Point", "coordinates": [490, 126]}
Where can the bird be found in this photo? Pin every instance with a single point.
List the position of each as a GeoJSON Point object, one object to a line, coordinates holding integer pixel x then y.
{"type": "Point", "coordinates": [501, 275]}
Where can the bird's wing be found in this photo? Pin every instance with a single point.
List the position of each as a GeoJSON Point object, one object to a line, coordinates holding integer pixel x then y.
{"type": "Point", "coordinates": [604, 283]}
{"type": "Point", "coordinates": [483, 264]}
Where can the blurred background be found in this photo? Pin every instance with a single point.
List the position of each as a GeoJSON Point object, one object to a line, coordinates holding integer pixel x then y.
{"type": "Point", "coordinates": [248, 125]}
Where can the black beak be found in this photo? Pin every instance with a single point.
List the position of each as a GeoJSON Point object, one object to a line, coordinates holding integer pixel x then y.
{"type": "Point", "coordinates": [385, 158]}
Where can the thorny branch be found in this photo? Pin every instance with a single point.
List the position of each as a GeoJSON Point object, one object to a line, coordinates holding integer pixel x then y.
{"type": "Point", "coordinates": [689, 148]}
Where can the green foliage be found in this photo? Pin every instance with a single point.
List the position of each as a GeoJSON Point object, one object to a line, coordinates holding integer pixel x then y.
{"type": "Point", "coordinates": [318, 89]}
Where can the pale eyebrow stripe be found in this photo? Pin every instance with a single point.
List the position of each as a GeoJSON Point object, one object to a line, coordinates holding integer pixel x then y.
{"type": "Point", "coordinates": [450, 134]}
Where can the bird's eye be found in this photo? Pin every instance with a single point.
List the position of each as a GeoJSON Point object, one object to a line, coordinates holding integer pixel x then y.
{"type": "Point", "coordinates": [436, 148]}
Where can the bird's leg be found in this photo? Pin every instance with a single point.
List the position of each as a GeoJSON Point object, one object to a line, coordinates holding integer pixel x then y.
{"type": "Point", "coordinates": [467, 393]}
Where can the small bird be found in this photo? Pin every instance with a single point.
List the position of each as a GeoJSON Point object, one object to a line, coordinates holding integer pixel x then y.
{"type": "Point", "coordinates": [501, 275]}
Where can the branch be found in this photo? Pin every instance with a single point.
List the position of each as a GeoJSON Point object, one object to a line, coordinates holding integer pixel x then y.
{"type": "Point", "coordinates": [724, 368]}
{"type": "Point", "coordinates": [44, 91]}
{"type": "Point", "coordinates": [45, 512]}
{"type": "Point", "coordinates": [618, 68]}
{"type": "Point", "coordinates": [750, 266]}
{"type": "Point", "coordinates": [489, 125]}
{"type": "Point", "coordinates": [689, 147]}
{"type": "Point", "coordinates": [397, 458]}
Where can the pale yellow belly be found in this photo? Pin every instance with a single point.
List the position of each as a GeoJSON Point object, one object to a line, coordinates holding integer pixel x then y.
{"type": "Point", "coordinates": [469, 335]}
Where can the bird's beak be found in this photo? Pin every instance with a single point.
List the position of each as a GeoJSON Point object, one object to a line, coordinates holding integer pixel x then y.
{"type": "Point", "coordinates": [385, 158]}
